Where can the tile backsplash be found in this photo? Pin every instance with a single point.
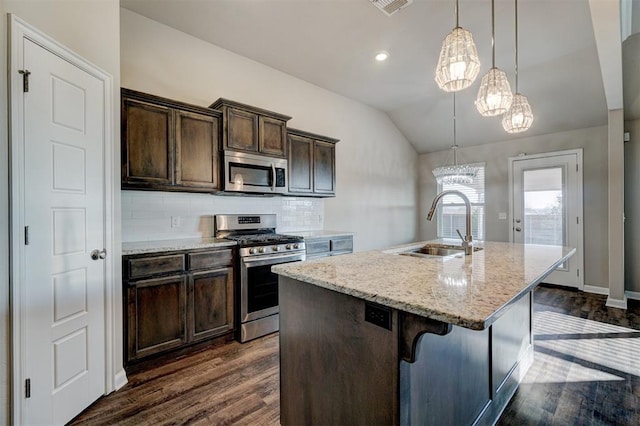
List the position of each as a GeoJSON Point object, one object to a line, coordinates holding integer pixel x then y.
{"type": "Point", "coordinates": [152, 215]}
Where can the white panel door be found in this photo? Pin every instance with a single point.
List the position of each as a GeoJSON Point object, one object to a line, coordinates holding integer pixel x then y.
{"type": "Point", "coordinates": [64, 212]}
{"type": "Point", "coordinates": [547, 199]}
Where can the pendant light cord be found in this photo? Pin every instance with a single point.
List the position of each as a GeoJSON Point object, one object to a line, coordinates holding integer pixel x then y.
{"type": "Point", "coordinates": [455, 145]}
{"type": "Point", "coordinates": [516, 46]}
{"type": "Point", "coordinates": [493, 35]}
{"type": "Point", "coordinates": [456, 12]}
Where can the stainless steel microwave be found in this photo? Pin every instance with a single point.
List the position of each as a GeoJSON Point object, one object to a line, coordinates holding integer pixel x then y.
{"type": "Point", "coordinates": [254, 173]}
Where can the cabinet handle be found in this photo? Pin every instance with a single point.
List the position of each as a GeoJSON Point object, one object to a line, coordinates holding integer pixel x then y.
{"type": "Point", "coordinates": [273, 177]}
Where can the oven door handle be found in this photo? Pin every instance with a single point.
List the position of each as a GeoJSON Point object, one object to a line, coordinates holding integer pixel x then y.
{"type": "Point", "coordinates": [272, 259]}
{"type": "Point", "coordinates": [273, 177]}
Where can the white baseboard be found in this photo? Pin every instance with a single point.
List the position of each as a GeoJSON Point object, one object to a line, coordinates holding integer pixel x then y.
{"type": "Point", "coordinates": [634, 295]}
{"type": "Point", "coordinates": [596, 290]}
{"type": "Point", "coordinates": [617, 303]}
{"type": "Point", "coordinates": [121, 379]}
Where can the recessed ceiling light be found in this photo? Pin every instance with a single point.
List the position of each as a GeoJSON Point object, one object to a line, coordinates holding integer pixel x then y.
{"type": "Point", "coordinates": [382, 56]}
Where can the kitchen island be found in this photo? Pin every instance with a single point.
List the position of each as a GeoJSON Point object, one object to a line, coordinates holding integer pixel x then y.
{"type": "Point", "coordinates": [387, 337]}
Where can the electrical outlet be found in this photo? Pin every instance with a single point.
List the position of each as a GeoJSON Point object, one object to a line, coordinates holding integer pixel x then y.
{"type": "Point", "coordinates": [502, 215]}
{"type": "Point", "coordinates": [175, 221]}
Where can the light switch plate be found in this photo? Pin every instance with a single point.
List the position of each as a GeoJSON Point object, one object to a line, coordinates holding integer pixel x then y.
{"type": "Point", "coordinates": [175, 221]}
{"type": "Point", "coordinates": [502, 215]}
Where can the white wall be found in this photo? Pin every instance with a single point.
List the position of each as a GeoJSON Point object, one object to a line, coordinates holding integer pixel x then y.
{"type": "Point", "coordinates": [147, 215]}
{"type": "Point", "coordinates": [632, 207]}
{"type": "Point", "coordinates": [5, 321]}
{"type": "Point", "coordinates": [91, 29]}
{"type": "Point", "coordinates": [594, 143]}
{"type": "Point", "coordinates": [376, 166]}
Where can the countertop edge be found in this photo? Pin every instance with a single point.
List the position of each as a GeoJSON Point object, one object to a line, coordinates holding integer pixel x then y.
{"type": "Point", "coordinates": [175, 246]}
{"type": "Point", "coordinates": [426, 312]}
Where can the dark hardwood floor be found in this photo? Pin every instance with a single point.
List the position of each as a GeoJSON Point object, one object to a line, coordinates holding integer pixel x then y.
{"type": "Point", "coordinates": [586, 369]}
{"type": "Point", "coordinates": [586, 372]}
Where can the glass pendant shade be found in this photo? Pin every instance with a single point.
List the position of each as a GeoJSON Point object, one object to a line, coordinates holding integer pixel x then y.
{"type": "Point", "coordinates": [457, 173]}
{"type": "Point", "coordinates": [458, 64]}
{"type": "Point", "coordinates": [519, 117]}
{"type": "Point", "coordinates": [494, 96]}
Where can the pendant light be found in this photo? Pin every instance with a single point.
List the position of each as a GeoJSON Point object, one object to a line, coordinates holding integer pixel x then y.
{"type": "Point", "coordinates": [458, 64]}
{"type": "Point", "coordinates": [494, 97]}
{"type": "Point", "coordinates": [456, 173]}
{"type": "Point", "coordinates": [519, 117]}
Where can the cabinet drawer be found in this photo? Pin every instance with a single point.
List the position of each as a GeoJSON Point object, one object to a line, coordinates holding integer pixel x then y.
{"type": "Point", "coordinates": [342, 244]}
{"type": "Point", "coordinates": [147, 266]}
{"type": "Point", "coordinates": [321, 246]}
{"type": "Point", "coordinates": [209, 259]}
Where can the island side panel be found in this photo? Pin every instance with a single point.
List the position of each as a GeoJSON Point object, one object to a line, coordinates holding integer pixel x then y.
{"type": "Point", "coordinates": [511, 337]}
{"type": "Point", "coordinates": [449, 383]}
{"type": "Point", "coordinates": [335, 368]}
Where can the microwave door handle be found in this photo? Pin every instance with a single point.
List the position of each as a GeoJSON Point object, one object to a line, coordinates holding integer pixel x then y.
{"type": "Point", "coordinates": [273, 177]}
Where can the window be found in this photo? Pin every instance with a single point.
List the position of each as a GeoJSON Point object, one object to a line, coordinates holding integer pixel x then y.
{"type": "Point", "coordinates": [452, 211]}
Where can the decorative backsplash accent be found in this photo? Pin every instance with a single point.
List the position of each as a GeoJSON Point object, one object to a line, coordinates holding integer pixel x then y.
{"type": "Point", "coordinates": [152, 215]}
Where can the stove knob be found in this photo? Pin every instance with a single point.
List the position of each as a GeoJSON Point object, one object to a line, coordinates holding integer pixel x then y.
{"type": "Point", "coordinates": [295, 246]}
{"type": "Point", "coordinates": [275, 248]}
{"type": "Point", "coordinates": [288, 246]}
{"type": "Point", "coordinates": [252, 251]}
{"type": "Point", "coordinates": [261, 250]}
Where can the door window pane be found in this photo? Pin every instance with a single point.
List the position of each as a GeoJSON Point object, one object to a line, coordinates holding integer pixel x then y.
{"type": "Point", "coordinates": [544, 206]}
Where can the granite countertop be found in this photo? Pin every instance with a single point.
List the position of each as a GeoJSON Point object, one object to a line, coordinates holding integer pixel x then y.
{"type": "Point", "coordinates": [142, 247]}
{"type": "Point", "coordinates": [320, 234]}
{"type": "Point", "coordinates": [467, 292]}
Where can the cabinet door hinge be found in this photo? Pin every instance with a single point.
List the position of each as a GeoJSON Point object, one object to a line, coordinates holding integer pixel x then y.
{"type": "Point", "coordinates": [27, 388]}
{"type": "Point", "coordinates": [25, 79]}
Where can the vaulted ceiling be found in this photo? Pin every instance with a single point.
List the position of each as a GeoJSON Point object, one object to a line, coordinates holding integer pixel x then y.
{"type": "Point", "coordinates": [332, 44]}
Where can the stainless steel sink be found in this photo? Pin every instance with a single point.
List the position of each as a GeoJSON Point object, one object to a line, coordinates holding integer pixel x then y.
{"type": "Point", "coordinates": [437, 250]}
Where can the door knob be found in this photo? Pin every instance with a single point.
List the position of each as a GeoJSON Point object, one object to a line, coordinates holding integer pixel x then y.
{"type": "Point", "coordinates": [517, 220]}
{"type": "Point", "coordinates": [518, 229]}
{"type": "Point", "coordinates": [98, 254]}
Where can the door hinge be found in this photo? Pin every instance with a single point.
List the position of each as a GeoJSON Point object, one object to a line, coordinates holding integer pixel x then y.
{"type": "Point", "coordinates": [25, 79]}
{"type": "Point", "coordinates": [578, 272]}
{"type": "Point", "coordinates": [26, 235]}
{"type": "Point", "coordinates": [576, 167]}
{"type": "Point", "coordinates": [577, 220]}
{"type": "Point", "coordinates": [27, 388]}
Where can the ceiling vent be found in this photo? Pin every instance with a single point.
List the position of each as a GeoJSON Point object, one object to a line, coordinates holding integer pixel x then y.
{"type": "Point", "coordinates": [389, 7]}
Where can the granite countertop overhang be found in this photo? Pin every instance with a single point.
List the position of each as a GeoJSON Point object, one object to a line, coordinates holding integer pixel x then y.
{"type": "Point", "coordinates": [470, 292]}
{"type": "Point", "coordinates": [161, 246]}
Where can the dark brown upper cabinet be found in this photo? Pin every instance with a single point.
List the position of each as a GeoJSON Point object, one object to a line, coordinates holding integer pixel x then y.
{"type": "Point", "coordinates": [312, 164]}
{"type": "Point", "coordinates": [250, 129]}
{"type": "Point", "coordinates": [169, 145]}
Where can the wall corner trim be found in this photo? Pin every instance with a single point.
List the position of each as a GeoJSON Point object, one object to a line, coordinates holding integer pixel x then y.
{"type": "Point", "coordinates": [633, 295]}
{"type": "Point", "coordinates": [120, 379]}
{"type": "Point", "coordinates": [617, 303]}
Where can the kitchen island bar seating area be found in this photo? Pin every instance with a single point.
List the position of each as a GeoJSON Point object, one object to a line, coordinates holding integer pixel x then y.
{"type": "Point", "coordinates": [379, 337]}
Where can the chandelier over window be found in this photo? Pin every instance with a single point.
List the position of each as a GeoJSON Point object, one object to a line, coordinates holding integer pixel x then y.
{"type": "Point", "coordinates": [494, 96]}
{"type": "Point", "coordinates": [519, 117]}
{"type": "Point", "coordinates": [458, 64]}
{"type": "Point", "coordinates": [456, 173]}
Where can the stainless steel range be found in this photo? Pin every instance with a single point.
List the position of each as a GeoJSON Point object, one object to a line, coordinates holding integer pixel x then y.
{"type": "Point", "coordinates": [259, 248]}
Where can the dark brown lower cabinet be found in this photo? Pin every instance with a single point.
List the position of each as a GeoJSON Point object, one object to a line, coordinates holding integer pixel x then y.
{"type": "Point", "coordinates": [176, 299]}
{"type": "Point", "coordinates": [210, 303]}
{"type": "Point", "coordinates": [157, 316]}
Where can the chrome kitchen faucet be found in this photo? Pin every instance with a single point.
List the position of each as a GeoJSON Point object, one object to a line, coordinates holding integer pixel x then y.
{"type": "Point", "coordinates": [467, 240]}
